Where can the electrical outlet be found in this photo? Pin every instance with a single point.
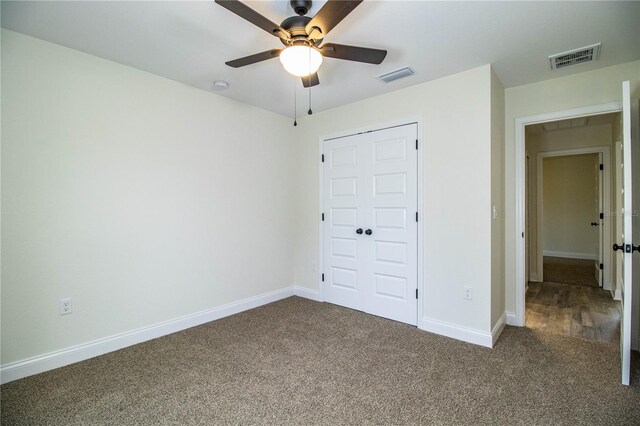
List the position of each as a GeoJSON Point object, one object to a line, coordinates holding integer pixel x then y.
{"type": "Point", "coordinates": [468, 293]}
{"type": "Point", "coordinates": [65, 306]}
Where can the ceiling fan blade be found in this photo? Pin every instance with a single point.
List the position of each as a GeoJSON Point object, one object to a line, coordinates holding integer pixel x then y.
{"type": "Point", "coordinates": [244, 11]}
{"type": "Point", "coordinates": [329, 16]}
{"type": "Point", "coordinates": [310, 80]}
{"type": "Point", "coordinates": [252, 59]}
{"type": "Point", "coordinates": [353, 53]}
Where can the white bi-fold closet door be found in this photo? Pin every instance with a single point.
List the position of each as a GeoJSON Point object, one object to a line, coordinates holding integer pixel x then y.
{"type": "Point", "coordinates": [370, 199]}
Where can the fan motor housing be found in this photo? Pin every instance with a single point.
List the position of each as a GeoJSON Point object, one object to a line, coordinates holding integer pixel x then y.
{"type": "Point", "coordinates": [296, 25]}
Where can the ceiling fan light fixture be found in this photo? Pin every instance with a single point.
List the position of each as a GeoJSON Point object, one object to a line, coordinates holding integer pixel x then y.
{"type": "Point", "coordinates": [301, 61]}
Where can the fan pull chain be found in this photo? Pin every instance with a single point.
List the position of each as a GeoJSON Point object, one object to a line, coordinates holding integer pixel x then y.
{"type": "Point", "coordinates": [295, 105]}
{"type": "Point", "coordinates": [309, 77]}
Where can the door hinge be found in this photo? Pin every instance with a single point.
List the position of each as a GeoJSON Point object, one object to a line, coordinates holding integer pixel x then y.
{"type": "Point", "coordinates": [523, 235]}
{"type": "Point", "coordinates": [601, 166]}
{"type": "Point", "coordinates": [602, 266]}
{"type": "Point", "coordinates": [323, 217]}
{"type": "Point", "coordinates": [322, 277]}
{"type": "Point", "coordinates": [416, 293]}
{"type": "Point", "coordinates": [416, 216]}
{"type": "Point", "coordinates": [601, 215]}
{"type": "Point", "coordinates": [323, 158]}
{"type": "Point", "coordinates": [416, 143]}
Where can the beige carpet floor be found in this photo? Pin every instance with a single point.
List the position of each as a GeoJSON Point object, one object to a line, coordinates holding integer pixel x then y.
{"type": "Point", "coordinates": [302, 362]}
{"type": "Point", "coordinates": [569, 271]}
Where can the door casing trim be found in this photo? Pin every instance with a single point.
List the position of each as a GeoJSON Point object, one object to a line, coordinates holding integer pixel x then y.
{"type": "Point", "coordinates": [520, 191]}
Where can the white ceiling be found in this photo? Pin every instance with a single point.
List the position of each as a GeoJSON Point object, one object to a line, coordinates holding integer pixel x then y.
{"type": "Point", "coordinates": [190, 41]}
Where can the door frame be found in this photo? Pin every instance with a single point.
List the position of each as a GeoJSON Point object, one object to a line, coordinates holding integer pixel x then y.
{"type": "Point", "coordinates": [420, 242]}
{"type": "Point", "coordinates": [605, 151]}
{"type": "Point", "coordinates": [520, 158]}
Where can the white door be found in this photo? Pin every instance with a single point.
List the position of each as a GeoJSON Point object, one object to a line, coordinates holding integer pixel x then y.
{"type": "Point", "coordinates": [618, 219]}
{"type": "Point", "coordinates": [344, 205]}
{"type": "Point", "coordinates": [625, 239]}
{"type": "Point", "coordinates": [370, 229]}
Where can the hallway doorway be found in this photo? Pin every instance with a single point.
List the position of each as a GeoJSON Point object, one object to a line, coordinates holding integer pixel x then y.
{"type": "Point", "coordinates": [571, 197]}
{"type": "Point", "coordinates": [569, 190]}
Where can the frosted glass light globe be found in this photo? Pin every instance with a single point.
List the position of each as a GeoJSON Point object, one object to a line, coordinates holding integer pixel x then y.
{"type": "Point", "coordinates": [300, 60]}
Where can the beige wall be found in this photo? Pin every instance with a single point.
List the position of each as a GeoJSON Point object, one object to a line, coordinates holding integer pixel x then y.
{"type": "Point", "coordinates": [457, 164]}
{"type": "Point", "coordinates": [497, 197]}
{"type": "Point", "coordinates": [570, 204]}
{"type": "Point", "coordinates": [139, 197]}
{"type": "Point", "coordinates": [559, 140]}
{"type": "Point", "coordinates": [578, 90]}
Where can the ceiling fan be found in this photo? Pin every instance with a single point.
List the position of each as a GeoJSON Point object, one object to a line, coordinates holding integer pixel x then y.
{"type": "Point", "coordinates": [302, 36]}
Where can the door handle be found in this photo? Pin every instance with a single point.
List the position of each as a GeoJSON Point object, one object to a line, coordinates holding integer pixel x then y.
{"type": "Point", "coordinates": [626, 248]}
{"type": "Point", "coordinates": [368, 232]}
{"type": "Point", "coordinates": [359, 231]}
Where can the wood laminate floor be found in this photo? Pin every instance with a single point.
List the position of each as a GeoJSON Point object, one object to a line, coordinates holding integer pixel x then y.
{"type": "Point", "coordinates": [579, 311]}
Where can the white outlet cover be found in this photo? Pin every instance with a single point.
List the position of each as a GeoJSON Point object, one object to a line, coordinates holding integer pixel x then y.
{"type": "Point", "coordinates": [65, 306]}
{"type": "Point", "coordinates": [468, 293]}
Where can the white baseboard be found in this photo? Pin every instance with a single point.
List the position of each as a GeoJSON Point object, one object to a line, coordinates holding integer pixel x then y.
{"type": "Point", "coordinates": [455, 331]}
{"type": "Point", "coordinates": [511, 318]}
{"type": "Point", "coordinates": [617, 295]}
{"type": "Point", "coordinates": [533, 277]}
{"type": "Point", "coordinates": [307, 293]}
{"type": "Point", "coordinates": [49, 361]}
{"type": "Point", "coordinates": [569, 255]}
{"type": "Point", "coordinates": [57, 359]}
{"type": "Point", "coordinates": [497, 329]}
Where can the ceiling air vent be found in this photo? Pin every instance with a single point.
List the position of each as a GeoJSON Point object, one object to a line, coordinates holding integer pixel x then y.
{"type": "Point", "coordinates": [396, 75]}
{"type": "Point", "coordinates": [575, 57]}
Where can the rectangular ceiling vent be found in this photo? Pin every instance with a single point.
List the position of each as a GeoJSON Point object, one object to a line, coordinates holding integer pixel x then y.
{"type": "Point", "coordinates": [396, 75]}
{"type": "Point", "coordinates": [575, 57]}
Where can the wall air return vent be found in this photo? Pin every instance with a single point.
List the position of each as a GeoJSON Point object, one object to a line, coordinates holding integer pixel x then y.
{"type": "Point", "coordinates": [575, 57]}
{"type": "Point", "coordinates": [396, 75]}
